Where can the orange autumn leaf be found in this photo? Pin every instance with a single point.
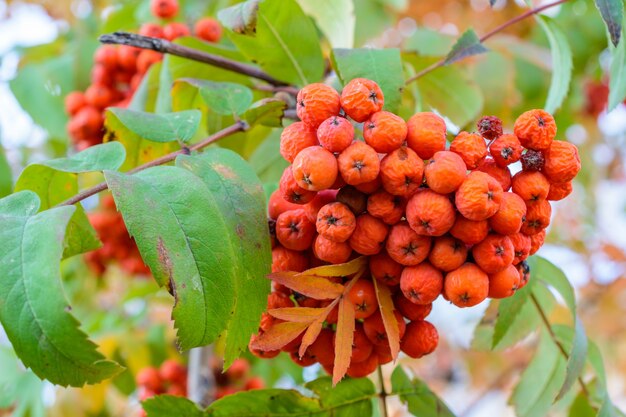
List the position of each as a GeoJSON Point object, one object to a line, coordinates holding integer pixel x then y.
{"type": "Point", "coordinates": [338, 270]}
{"type": "Point", "coordinates": [314, 329]}
{"type": "Point", "coordinates": [311, 286]}
{"type": "Point", "coordinates": [297, 314]}
{"type": "Point", "coordinates": [278, 336]}
{"type": "Point", "coordinates": [344, 337]}
{"type": "Point", "coordinates": [386, 307]}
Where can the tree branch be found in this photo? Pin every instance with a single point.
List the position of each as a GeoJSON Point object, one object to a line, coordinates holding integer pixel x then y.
{"type": "Point", "coordinates": [200, 380]}
{"type": "Point", "coordinates": [167, 47]}
{"type": "Point", "coordinates": [240, 126]}
{"type": "Point", "coordinates": [546, 322]}
{"type": "Point", "coordinates": [488, 35]}
{"type": "Point", "coordinates": [383, 393]}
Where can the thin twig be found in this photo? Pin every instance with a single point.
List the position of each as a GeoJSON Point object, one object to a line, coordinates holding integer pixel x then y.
{"type": "Point", "coordinates": [276, 89]}
{"type": "Point", "coordinates": [488, 35]}
{"type": "Point", "coordinates": [237, 127]}
{"type": "Point", "coordinates": [546, 322]}
{"type": "Point", "coordinates": [383, 393]}
{"type": "Point", "coordinates": [167, 47]}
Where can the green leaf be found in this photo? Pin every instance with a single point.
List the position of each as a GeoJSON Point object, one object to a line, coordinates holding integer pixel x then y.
{"type": "Point", "coordinates": [419, 399]}
{"type": "Point", "coordinates": [612, 12]}
{"type": "Point", "coordinates": [541, 380]}
{"type": "Point", "coordinates": [562, 64]}
{"type": "Point", "coordinates": [168, 127]}
{"type": "Point", "coordinates": [349, 398]}
{"type": "Point", "coordinates": [267, 161]}
{"type": "Point", "coordinates": [25, 203]}
{"type": "Point", "coordinates": [265, 403]}
{"type": "Point", "coordinates": [617, 76]}
{"type": "Point", "coordinates": [33, 308]}
{"type": "Point", "coordinates": [19, 388]}
{"type": "Point", "coordinates": [581, 407]}
{"type": "Point", "coordinates": [381, 65]}
{"type": "Point", "coordinates": [285, 45]}
{"type": "Point", "coordinates": [169, 405]}
{"type": "Point", "coordinates": [335, 18]}
{"type": "Point", "coordinates": [428, 42]}
{"type": "Point", "coordinates": [467, 45]}
{"type": "Point", "coordinates": [106, 156]}
{"type": "Point", "coordinates": [53, 187]}
{"type": "Point", "coordinates": [238, 195]}
{"type": "Point", "coordinates": [448, 91]}
{"type": "Point", "coordinates": [6, 177]}
{"type": "Point", "coordinates": [222, 97]}
{"type": "Point", "coordinates": [240, 18]}
{"type": "Point", "coordinates": [551, 275]}
{"type": "Point", "coordinates": [163, 102]}
{"type": "Point", "coordinates": [266, 112]}
{"type": "Point", "coordinates": [148, 85]}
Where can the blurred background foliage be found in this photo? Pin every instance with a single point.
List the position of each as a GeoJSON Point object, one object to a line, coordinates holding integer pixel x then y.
{"type": "Point", "coordinates": [130, 317]}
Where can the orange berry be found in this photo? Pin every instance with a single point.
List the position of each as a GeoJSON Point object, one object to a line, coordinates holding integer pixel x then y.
{"type": "Point", "coordinates": [127, 57]}
{"type": "Point", "coordinates": [409, 309]}
{"type": "Point", "coordinates": [74, 101]}
{"type": "Point", "coordinates": [106, 56]}
{"type": "Point", "coordinates": [335, 222]}
{"type": "Point", "coordinates": [375, 331]}
{"type": "Point", "coordinates": [264, 354]}
{"type": "Point", "coordinates": [447, 253]}
{"type": "Point", "coordinates": [335, 133]}
{"type": "Point", "coordinates": [479, 197]}
{"type": "Point", "coordinates": [389, 208]}
{"type": "Point", "coordinates": [521, 245]}
{"type": "Point", "coordinates": [322, 198]}
{"type": "Point", "coordinates": [353, 198]}
{"type": "Point", "coordinates": [471, 147]}
{"type": "Point", "coordinates": [358, 164]}
{"type": "Point", "coordinates": [370, 187]}
{"type": "Point", "coordinates": [360, 98]}
{"type": "Point", "coordinates": [508, 219]}
{"type": "Point", "coordinates": [426, 134]}
{"type": "Point", "coordinates": [277, 205]}
{"type": "Point", "coordinates": [317, 102]}
{"type": "Point", "coordinates": [369, 235]}
{"type": "Point", "coordinates": [430, 214]}
{"type": "Point", "coordinates": [469, 231]}
{"type": "Point", "coordinates": [504, 283]}
{"type": "Point", "coordinates": [362, 295]}
{"type": "Point", "coordinates": [537, 217]}
{"type": "Point", "coordinates": [524, 274]}
{"type": "Point", "coordinates": [146, 59]}
{"type": "Point", "coordinates": [361, 346]}
{"type": "Point", "coordinates": [208, 29]}
{"type": "Point", "coordinates": [530, 185]}
{"type": "Point", "coordinates": [284, 259]}
{"type": "Point", "coordinates": [314, 168]}
{"type": "Point", "coordinates": [324, 347]}
{"type": "Point", "coordinates": [506, 149]}
{"type": "Point", "coordinates": [175, 30]}
{"type": "Point", "coordinates": [559, 190]}
{"type": "Point", "coordinates": [385, 269]}
{"type": "Point", "coordinates": [174, 372]}
{"type": "Point", "coordinates": [420, 338]}
{"type": "Point", "coordinates": [402, 172]}
{"type": "Point", "coordinates": [90, 121]}
{"type": "Point", "coordinates": [535, 129]}
{"type": "Point", "coordinates": [305, 360]}
{"type": "Point", "coordinates": [149, 378]}
{"type": "Point", "coordinates": [363, 368]}
{"type": "Point", "coordinates": [291, 191]}
{"type": "Point", "coordinates": [501, 174]}
{"type": "Point", "coordinates": [445, 172]}
{"type": "Point", "coordinates": [294, 138]}
{"type": "Point", "coordinates": [494, 253]}
{"type": "Point", "coordinates": [332, 252]}
{"type": "Point", "coordinates": [294, 230]}
{"type": "Point", "coordinates": [405, 246]}
{"type": "Point", "coordinates": [562, 162]}
{"type": "Point", "coordinates": [278, 300]}
{"type": "Point", "coordinates": [384, 131]}
{"type": "Point", "coordinates": [99, 96]}
{"type": "Point", "coordinates": [152, 30]}
{"type": "Point", "coordinates": [164, 8]}
{"type": "Point", "coordinates": [466, 286]}
{"type": "Point", "coordinates": [103, 76]}
{"type": "Point", "coordinates": [421, 284]}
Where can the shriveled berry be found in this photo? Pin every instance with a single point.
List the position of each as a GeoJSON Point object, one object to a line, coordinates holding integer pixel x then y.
{"type": "Point", "coordinates": [490, 127]}
{"type": "Point", "coordinates": [532, 160]}
{"type": "Point", "coordinates": [426, 134]}
{"type": "Point", "coordinates": [384, 131]}
{"type": "Point", "coordinates": [335, 133]}
{"type": "Point", "coordinates": [360, 98]}
{"type": "Point", "coordinates": [317, 102]}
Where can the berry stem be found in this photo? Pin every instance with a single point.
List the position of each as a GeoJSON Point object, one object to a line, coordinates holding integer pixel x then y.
{"type": "Point", "coordinates": [200, 378]}
{"type": "Point", "coordinates": [383, 393]}
{"type": "Point", "coordinates": [167, 47]}
{"type": "Point", "coordinates": [488, 35]}
{"type": "Point", "coordinates": [237, 127]}
{"type": "Point", "coordinates": [546, 322]}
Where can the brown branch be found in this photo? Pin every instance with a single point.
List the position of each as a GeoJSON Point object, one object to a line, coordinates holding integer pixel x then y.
{"type": "Point", "coordinates": [488, 35]}
{"type": "Point", "coordinates": [546, 322]}
{"type": "Point", "coordinates": [167, 47]}
{"type": "Point", "coordinates": [237, 127]}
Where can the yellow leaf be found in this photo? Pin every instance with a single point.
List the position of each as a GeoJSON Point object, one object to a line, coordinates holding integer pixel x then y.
{"type": "Point", "coordinates": [312, 286]}
{"type": "Point", "coordinates": [338, 270]}
{"type": "Point", "coordinates": [386, 307]}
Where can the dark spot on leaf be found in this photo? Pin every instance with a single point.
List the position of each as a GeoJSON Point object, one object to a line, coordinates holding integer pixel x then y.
{"type": "Point", "coordinates": [241, 231]}
{"type": "Point", "coordinates": [166, 263]}
{"type": "Point", "coordinates": [68, 308]}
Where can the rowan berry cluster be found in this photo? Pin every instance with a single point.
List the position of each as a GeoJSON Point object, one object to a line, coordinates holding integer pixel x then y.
{"type": "Point", "coordinates": [432, 220]}
{"type": "Point", "coordinates": [171, 378]}
{"type": "Point", "coordinates": [117, 245]}
{"type": "Point", "coordinates": [118, 71]}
